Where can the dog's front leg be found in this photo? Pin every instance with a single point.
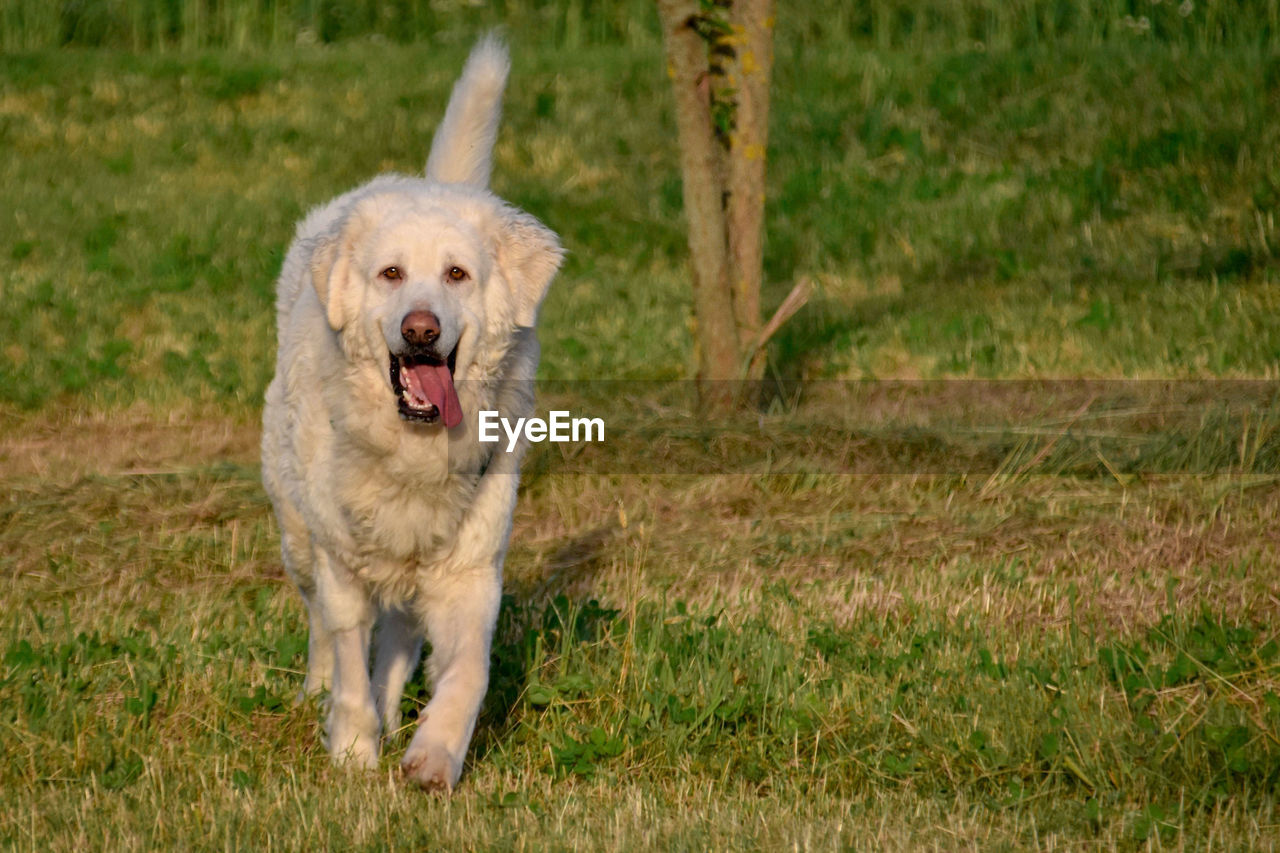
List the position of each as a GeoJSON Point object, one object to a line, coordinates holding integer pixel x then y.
{"type": "Point", "coordinates": [460, 623]}
{"type": "Point", "coordinates": [348, 619]}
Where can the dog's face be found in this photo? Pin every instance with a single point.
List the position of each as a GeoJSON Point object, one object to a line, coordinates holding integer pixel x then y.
{"type": "Point", "coordinates": [428, 282]}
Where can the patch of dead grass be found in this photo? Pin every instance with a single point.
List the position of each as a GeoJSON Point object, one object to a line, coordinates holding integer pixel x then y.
{"type": "Point", "coordinates": [94, 505]}
{"type": "Point", "coordinates": [1057, 550]}
{"type": "Point", "coordinates": [57, 446]}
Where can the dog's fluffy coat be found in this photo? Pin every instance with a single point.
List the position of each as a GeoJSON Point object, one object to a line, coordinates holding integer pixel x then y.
{"type": "Point", "coordinates": [387, 516]}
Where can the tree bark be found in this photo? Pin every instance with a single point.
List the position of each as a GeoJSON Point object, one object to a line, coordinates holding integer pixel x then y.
{"type": "Point", "coordinates": [719, 348]}
{"type": "Point", "coordinates": [751, 23]}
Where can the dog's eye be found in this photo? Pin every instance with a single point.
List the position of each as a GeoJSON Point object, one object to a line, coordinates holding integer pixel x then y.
{"type": "Point", "coordinates": [457, 273]}
{"type": "Point", "coordinates": [392, 274]}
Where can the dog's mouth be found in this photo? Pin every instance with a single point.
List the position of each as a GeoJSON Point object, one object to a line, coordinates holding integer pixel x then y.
{"type": "Point", "coordinates": [423, 385]}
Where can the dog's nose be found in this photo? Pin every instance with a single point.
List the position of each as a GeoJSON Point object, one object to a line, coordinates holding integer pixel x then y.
{"type": "Point", "coordinates": [420, 328]}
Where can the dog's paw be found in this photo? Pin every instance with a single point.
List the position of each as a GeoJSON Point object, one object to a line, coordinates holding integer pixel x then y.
{"type": "Point", "coordinates": [433, 770]}
{"type": "Point", "coordinates": [360, 753]}
{"type": "Point", "coordinates": [352, 745]}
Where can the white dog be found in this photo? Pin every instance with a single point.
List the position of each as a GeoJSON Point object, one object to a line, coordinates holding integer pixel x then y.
{"type": "Point", "coordinates": [406, 306]}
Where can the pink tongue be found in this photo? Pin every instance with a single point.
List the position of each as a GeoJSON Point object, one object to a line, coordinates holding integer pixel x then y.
{"type": "Point", "coordinates": [437, 387]}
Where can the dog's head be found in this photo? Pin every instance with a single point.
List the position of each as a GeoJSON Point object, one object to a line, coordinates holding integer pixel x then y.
{"type": "Point", "coordinates": [432, 280]}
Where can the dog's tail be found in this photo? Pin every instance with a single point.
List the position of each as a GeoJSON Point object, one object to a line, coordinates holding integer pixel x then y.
{"type": "Point", "coordinates": [462, 150]}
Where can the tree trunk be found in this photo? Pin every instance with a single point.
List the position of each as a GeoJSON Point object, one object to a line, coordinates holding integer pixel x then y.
{"type": "Point", "coordinates": [749, 72]}
{"type": "Point", "coordinates": [719, 351]}
{"type": "Point", "coordinates": [723, 55]}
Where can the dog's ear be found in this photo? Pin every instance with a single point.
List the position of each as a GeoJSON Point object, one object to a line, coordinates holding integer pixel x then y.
{"type": "Point", "coordinates": [529, 254]}
{"type": "Point", "coordinates": [331, 267]}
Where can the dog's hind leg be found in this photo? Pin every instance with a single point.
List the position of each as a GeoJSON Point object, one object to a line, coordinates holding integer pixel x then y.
{"type": "Point", "coordinates": [319, 651]}
{"type": "Point", "coordinates": [299, 563]}
{"type": "Point", "coordinates": [398, 643]}
{"type": "Point", "coordinates": [347, 616]}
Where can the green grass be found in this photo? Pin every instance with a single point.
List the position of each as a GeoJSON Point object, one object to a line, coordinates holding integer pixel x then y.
{"type": "Point", "coordinates": [1038, 616]}
{"type": "Point", "coordinates": [1092, 212]}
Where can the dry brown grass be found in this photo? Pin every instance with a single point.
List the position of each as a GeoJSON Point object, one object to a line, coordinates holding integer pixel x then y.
{"type": "Point", "coordinates": [1130, 552]}
{"type": "Point", "coordinates": [102, 501]}
{"type": "Point", "coordinates": [57, 446]}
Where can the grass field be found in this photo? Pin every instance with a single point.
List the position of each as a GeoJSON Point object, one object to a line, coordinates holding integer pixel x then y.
{"type": "Point", "coordinates": [1026, 622]}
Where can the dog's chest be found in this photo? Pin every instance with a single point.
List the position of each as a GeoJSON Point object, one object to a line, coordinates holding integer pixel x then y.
{"type": "Point", "coordinates": [402, 517]}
